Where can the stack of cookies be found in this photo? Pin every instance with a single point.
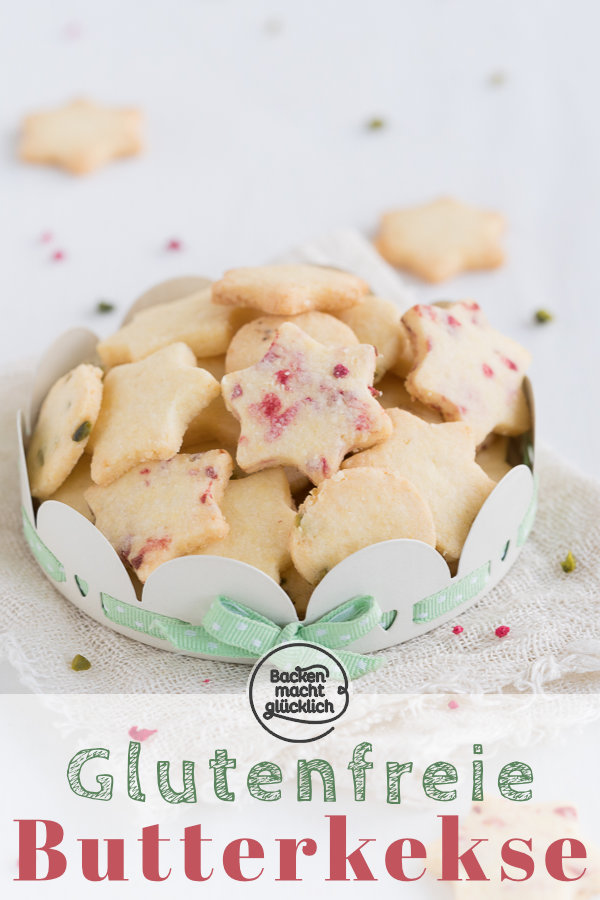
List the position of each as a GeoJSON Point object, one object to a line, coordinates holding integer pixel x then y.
{"type": "Point", "coordinates": [284, 417]}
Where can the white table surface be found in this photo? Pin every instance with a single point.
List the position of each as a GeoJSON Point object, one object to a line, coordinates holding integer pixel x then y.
{"type": "Point", "coordinates": [256, 142]}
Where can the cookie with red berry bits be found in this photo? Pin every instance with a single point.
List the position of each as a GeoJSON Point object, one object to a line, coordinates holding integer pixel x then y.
{"type": "Point", "coordinates": [163, 509]}
{"type": "Point", "coordinates": [467, 370]}
{"type": "Point", "coordinates": [351, 510]}
{"type": "Point", "coordinates": [146, 409]}
{"type": "Point", "coordinates": [252, 341]}
{"type": "Point", "coordinates": [440, 461]}
{"type": "Point", "coordinates": [67, 416]}
{"type": "Point", "coordinates": [260, 513]}
{"type": "Point", "coordinates": [440, 239]}
{"type": "Point", "coordinates": [305, 405]}
{"type": "Point", "coordinates": [287, 290]}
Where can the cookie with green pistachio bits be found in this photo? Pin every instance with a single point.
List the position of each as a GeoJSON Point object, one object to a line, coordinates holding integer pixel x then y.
{"type": "Point", "coordinates": [253, 340]}
{"type": "Point", "coordinates": [305, 405]}
{"type": "Point", "coordinates": [439, 460]}
{"type": "Point", "coordinates": [163, 509]}
{"type": "Point", "coordinates": [351, 510]}
{"type": "Point", "coordinates": [204, 326]}
{"type": "Point", "coordinates": [66, 418]}
{"type": "Point", "coordinates": [260, 513]}
{"type": "Point", "coordinates": [146, 409]}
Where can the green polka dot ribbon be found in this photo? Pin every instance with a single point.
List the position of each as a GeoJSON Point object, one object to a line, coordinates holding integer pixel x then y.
{"type": "Point", "coordinates": [234, 630]}
{"type": "Point", "coordinates": [45, 557]}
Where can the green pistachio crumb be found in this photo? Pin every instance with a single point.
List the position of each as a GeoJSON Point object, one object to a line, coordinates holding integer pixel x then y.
{"type": "Point", "coordinates": [569, 562]}
{"type": "Point", "coordinates": [542, 316]}
{"type": "Point", "coordinates": [497, 78]}
{"type": "Point", "coordinates": [79, 663]}
{"type": "Point", "coordinates": [104, 306]}
{"type": "Point", "coordinates": [40, 457]}
{"type": "Point", "coordinates": [82, 431]}
{"type": "Point", "coordinates": [375, 124]}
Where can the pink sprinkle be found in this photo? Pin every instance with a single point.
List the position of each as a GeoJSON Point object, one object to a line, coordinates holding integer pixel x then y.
{"type": "Point", "coordinates": [46, 237]}
{"type": "Point", "coordinates": [509, 363]}
{"type": "Point", "coordinates": [144, 471]}
{"type": "Point", "coordinates": [487, 371]}
{"type": "Point", "coordinates": [140, 734]}
{"type": "Point", "coordinates": [174, 244]}
{"type": "Point", "coordinates": [57, 256]}
{"type": "Point", "coordinates": [453, 704]}
{"type": "Point", "coordinates": [340, 371]}
{"type": "Point", "coordinates": [206, 681]}
{"type": "Point", "coordinates": [236, 392]}
{"type": "Point", "coordinates": [502, 631]}
{"type": "Point", "coordinates": [458, 629]}
{"type": "Point", "coordinates": [453, 322]}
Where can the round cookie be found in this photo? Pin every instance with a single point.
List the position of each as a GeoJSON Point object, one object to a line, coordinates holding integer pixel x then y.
{"type": "Point", "coordinates": [351, 510]}
{"type": "Point", "coordinates": [377, 321]}
{"type": "Point", "coordinates": [252, 341]}
{"type": "Point", "coordinates": [66, 419]}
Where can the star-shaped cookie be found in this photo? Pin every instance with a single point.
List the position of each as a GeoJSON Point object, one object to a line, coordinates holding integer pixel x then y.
{"type": "Point", "coordinates": [466, 369]}
{"type": "Point", "coordinates": [195, 320]}
{"type": "Point", "coordinates": [160, 510]}
{"type": "Point", "coordinates": [440, 239]}
{"type": "Point", "coordinates": [440, 461]}
{"type": "Point", "coordinates": [260, 514]}
{"type": "Point", "coordinates": [81, 136]}
{"type": "Point", "coordinates": [288, 290]}
{"type": "Point", "coordinates": [146, 408]}
{"type": "Point", "coordinates": [496, 821]}
{"type": "Point", "coordinates": [305, 405]}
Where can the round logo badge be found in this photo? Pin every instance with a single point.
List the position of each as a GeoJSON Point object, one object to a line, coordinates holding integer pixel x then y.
{"type": "Point", "coordinates": [297, 691]}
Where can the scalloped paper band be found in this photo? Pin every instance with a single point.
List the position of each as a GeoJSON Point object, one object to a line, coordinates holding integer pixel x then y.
{"type": "Point", "coordinates": [232, 629]}
{"type": "Point", "coordinates": [529, 517]}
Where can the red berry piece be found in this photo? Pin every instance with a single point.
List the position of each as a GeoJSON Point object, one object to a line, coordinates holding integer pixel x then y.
{"type": "Point", "coordinates": [340, 371]}
{"type": "Point", "coordinates": [458, 629]}
{"type": "Point", "coordinates": [283, 376]}
{"type": "Point", "coordinates": [502, 631]}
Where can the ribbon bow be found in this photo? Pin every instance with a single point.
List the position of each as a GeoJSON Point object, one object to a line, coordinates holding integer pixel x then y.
{"type": "Point", "coordinates": [233, 629]}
